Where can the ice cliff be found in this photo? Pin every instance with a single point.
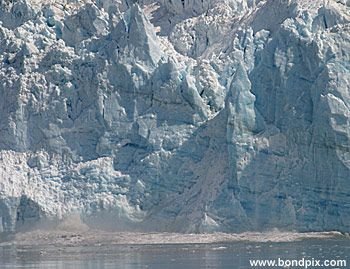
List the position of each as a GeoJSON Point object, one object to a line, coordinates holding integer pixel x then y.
{"type": "Point", "coordinates": [175, 115]}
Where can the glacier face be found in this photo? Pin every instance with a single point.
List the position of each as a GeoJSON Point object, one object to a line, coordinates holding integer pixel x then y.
{"type": "Point", "coordinates": [191, 116]}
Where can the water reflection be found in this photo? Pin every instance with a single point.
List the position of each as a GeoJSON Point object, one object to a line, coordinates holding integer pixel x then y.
{"type": "Point", "coordinates": [190, 256]}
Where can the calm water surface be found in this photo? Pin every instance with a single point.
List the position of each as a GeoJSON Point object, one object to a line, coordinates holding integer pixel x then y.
{"type": "Point", "coordinates": [177, 256]}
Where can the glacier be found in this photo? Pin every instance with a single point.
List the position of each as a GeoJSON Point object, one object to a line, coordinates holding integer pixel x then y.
{"type": "Point", "coordinates": [185, 116]}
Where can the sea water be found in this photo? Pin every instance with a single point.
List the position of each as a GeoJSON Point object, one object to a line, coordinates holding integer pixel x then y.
{"type": "Point", "coordinates": [235, 255]}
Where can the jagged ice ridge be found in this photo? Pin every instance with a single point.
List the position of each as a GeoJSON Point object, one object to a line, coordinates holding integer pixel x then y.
{"type": "Point", "coordinates": [190, 116]}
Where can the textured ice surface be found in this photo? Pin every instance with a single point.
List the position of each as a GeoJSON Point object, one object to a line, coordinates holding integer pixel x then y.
{"type": "Point", "coordinates": [188, 116]}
